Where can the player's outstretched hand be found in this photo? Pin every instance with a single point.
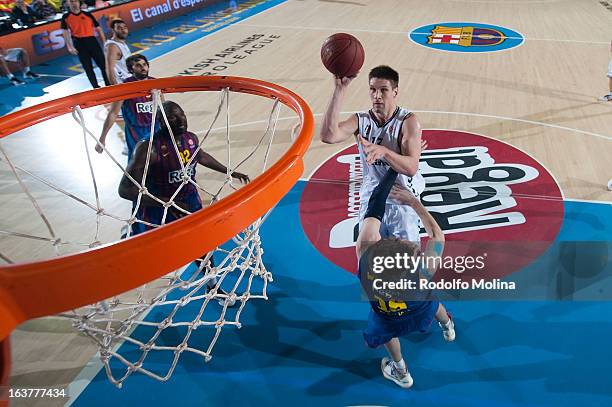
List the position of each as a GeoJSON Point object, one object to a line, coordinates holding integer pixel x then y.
{"type": "Point", "coordinates": [403, 195]}
{"type": "Point", "coordinates": [241, 177]}
{"type": "Point", "coordinates": [99, 147]}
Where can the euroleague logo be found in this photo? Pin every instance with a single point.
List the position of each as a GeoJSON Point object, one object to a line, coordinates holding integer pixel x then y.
{"type": "Point", "coordinates": [466, 37]}
{"type": "Point", "coordinates": [480, 190]}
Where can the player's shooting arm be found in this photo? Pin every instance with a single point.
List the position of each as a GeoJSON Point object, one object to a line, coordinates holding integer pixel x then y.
{"type": "Point", "coordinates": [370, 228]}
{"type": "Point", "coordinates": [209, 161]}
{"type": "Point", "coordinates": [435, 245]}
{"type": "Point", "coordinates": [332, 129]}
{"type": "Point", "coordinates": [111, 118]}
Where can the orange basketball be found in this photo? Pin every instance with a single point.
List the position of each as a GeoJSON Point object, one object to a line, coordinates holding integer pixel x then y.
{"type": "Point", "coordinates": [342, 54]}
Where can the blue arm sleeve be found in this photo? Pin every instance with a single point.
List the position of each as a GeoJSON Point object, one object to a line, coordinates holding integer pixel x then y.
{"type": "Point", "coordinates": [376, 204]}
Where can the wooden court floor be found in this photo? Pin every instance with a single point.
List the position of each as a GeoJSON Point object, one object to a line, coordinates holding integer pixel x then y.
{"type": "Point", "coordinates": [540, 97]}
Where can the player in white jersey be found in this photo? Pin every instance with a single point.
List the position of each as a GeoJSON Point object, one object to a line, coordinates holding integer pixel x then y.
{"type": "Point", "coordinates": [387, 136]}
{"type": "Point", "coordinates": [116, 52]}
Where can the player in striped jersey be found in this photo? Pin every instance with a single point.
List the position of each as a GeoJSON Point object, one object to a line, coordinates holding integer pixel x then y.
{"type": "Point", "coordinates": [388, 136]}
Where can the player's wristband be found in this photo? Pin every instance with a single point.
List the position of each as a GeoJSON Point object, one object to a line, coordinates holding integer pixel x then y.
{"type": "Point", "coordinates": [378, 199]}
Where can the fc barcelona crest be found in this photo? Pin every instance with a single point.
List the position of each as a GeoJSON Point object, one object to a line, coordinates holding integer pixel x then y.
{"type": "Point", "coordinates": [466, 37]}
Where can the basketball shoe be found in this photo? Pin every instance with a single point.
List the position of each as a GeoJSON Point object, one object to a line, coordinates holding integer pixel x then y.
{"type": "Point", "coordinates": [393, 373]}
{"type": "Point", "coordinates": [448, 329]}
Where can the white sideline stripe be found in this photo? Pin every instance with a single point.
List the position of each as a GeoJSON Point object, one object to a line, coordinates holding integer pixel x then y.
{"type": "Point", "coordinates": [554, 126]}
{"type": "Point", "coordinates": [588, 201]}
{"type": "Point", "coordinates": [85, 376]}
{"type": "Point", "coordinates": [55, 76]}
{"type": "Point", "coordinates": [345, 29]}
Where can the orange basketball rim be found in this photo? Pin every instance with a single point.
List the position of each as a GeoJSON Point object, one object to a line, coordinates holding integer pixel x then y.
{"type": "Point", "coordinates": [30, 290]}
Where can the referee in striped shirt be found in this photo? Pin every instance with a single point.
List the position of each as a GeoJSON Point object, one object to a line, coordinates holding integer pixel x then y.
{"type": "Point", "coordinates": [82, 40]}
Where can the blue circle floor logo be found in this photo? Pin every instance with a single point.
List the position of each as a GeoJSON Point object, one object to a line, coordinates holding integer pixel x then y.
{"type": "Point", "coordinates": [466, 37]}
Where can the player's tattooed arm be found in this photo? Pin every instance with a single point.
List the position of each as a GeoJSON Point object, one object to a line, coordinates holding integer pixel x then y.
{"type": "Point", "coordinates": [435, 244]}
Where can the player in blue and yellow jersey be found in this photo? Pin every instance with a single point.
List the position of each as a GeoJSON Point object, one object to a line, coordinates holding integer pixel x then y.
{"type": "Point", "coordinates": [137, 112]}
{"type": "Point", "coordinates": [394, 312]}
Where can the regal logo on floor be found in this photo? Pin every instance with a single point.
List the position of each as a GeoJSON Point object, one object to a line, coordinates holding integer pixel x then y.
{"type": "Point", "coordinates": [480, 190]}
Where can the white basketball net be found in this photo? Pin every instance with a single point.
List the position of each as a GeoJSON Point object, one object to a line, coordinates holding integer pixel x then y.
{"type": "Point", "coordinates": [186, 310]}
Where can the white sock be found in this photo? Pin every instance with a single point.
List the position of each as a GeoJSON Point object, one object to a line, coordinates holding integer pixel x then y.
{"type": "Point", "coordinates": [26, 70]}
{"type": "Point", "coordinates": [10, 76]}
{"type": "Point", "coordinates": [401, 365]}
{"type": "Point", "coordinates": [447, 324]}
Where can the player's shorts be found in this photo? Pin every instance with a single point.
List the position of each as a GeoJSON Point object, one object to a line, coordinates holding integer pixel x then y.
{"type": "Point", "coordinates": [400, 221]}
{"type": "Point", "coordinates": [381, 330]}
{"type": "Point", "coordinates": [154, 215]}
{"type": "Point", "coordinates": [134, 134]}
{"type": "Point", "coordinates": [610, 69]}
{"type": "Point", "coordinates": [13, 55]}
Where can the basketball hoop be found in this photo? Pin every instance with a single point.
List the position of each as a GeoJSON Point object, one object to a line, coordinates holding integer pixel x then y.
{"type": "Point", "coordinates": [51, 286]}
